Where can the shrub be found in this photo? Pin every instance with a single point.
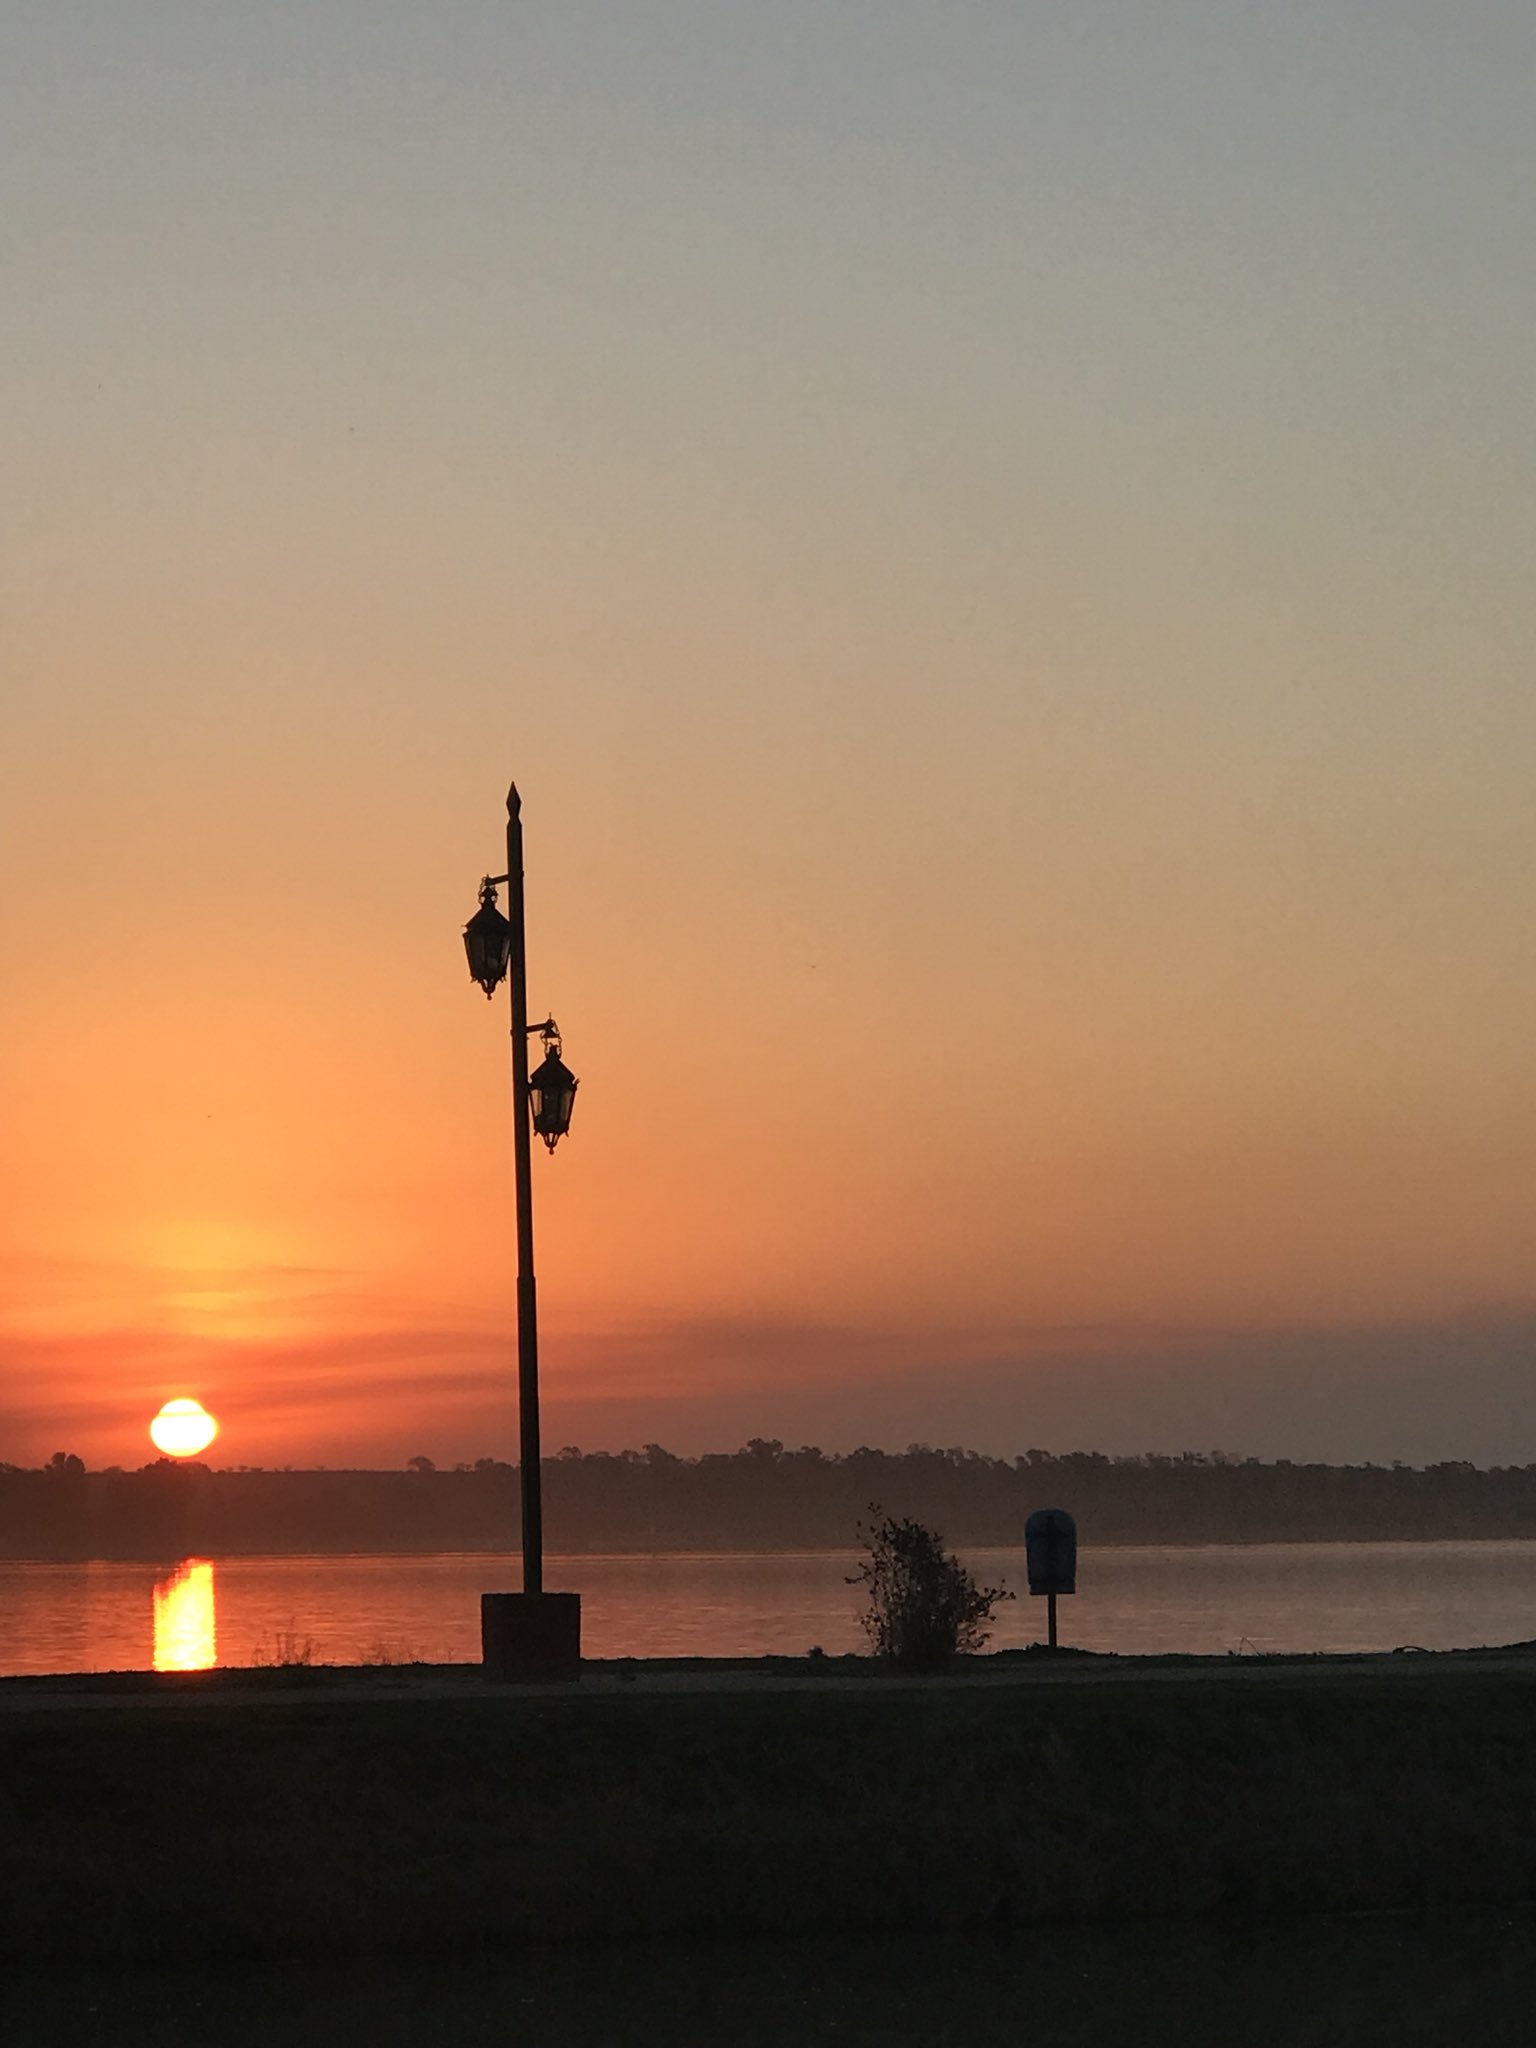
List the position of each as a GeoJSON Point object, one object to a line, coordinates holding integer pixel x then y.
{"type": "Point", "coordinates": [923, 1606]}
{"type": "Point", "coordinates": [285, 1652]}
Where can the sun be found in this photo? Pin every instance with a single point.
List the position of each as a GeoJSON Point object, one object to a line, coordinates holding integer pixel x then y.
{"type": "Point", "coordinates": [182, 1429]}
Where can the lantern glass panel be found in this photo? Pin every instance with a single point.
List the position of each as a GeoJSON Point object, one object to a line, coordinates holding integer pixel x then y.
{"type": "Point", "coordinates": [488, 946]}
{"type": "Point", "coordinates": [551, 1098]}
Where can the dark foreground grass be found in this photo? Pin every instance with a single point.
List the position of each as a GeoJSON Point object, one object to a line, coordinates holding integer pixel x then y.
{"type": "Point", "coordinates": [208, 1829]}
{"type": "Point", "coordinates": [1411, 1981]}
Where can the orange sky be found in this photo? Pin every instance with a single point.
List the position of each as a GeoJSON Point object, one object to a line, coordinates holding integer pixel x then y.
{"type": "Point", "coordinates": [1002, 573]}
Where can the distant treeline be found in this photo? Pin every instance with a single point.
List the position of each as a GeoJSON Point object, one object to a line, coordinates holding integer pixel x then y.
{"type": "Point", "coordinates": [762, 1497]}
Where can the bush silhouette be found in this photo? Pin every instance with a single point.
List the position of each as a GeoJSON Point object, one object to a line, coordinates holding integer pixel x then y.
{"type": "Point", "coordinates": [923, 1607]}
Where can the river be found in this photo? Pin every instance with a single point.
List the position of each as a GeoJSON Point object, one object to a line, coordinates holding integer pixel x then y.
{"type": "Point", "coordinates": [189, 1614]}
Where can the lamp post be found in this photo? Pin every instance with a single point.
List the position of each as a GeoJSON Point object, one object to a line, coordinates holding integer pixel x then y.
{"type": "Point", "coordinates": [532, 1634]}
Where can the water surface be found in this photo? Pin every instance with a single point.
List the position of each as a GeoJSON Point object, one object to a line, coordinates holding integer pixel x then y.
{"type": "Point", "coordinates": [189, 1613]}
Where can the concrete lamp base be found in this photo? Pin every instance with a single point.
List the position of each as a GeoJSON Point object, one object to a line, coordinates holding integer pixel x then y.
{"type": "Point", "coordinates": [530, 1636]}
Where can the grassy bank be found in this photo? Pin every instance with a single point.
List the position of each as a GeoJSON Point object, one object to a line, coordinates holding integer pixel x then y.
{"type": "Point", "coordinates": [207, 1827]}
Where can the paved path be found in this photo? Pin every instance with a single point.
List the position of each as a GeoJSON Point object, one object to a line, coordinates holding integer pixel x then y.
{"type": "Point", "coordinates": [312, 1685]}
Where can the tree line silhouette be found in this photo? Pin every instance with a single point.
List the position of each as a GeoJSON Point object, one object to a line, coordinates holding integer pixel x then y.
{"type": "Point", "coordinates": [761, 1497]}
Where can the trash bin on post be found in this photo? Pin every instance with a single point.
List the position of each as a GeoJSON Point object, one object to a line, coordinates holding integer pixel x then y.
{"type": "Point", "coordinates": [1050, 1551]}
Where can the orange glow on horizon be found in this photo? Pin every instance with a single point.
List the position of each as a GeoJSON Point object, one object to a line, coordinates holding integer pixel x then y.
{"type": "Point", "coordinates": [1017, 681]}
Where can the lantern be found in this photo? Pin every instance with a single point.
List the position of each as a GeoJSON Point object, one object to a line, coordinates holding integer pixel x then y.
{"type": "Point", "coordinates": [551, 1097]}
{"type": "Point", "coordinates": [488, 942]}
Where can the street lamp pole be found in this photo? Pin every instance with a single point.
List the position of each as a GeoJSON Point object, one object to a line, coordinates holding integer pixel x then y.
{"type": "Point", "coordinates": [532, 1634]}
{"type": "Point", "coordinates": [522, 1165]}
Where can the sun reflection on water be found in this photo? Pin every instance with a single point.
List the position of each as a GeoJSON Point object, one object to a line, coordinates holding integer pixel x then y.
{"type": "Point", "coordinates": [184, 1632]}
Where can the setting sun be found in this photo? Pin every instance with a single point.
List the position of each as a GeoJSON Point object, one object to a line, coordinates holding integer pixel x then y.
{"type": "Point", "coordinates": [182, 1429]}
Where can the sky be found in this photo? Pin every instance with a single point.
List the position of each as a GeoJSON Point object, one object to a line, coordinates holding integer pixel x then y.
{"type": "Point", "coordinates": [994, 540]}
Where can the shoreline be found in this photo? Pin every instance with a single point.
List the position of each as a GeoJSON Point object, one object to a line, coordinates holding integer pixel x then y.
{"type": "Point", "coordinates": [1036, 1663]}
{"type": "Point", "coordinates": [161, 1560]}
